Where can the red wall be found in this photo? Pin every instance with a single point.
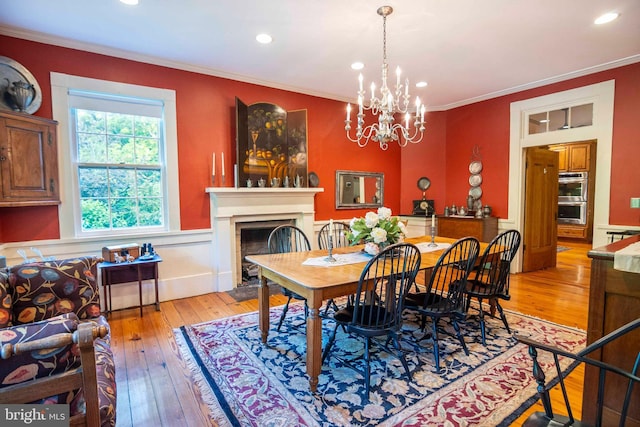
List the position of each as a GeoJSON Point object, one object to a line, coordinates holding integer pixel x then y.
{"type": "Point", "coordinates": [206, 120]}
{"type": "Point", "coordinates": [487, 124]}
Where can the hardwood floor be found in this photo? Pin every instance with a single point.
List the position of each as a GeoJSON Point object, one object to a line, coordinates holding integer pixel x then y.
{"type": "Point", "coordinates": [154, 387]}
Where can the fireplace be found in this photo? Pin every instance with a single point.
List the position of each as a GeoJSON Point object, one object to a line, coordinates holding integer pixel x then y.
{"type": "Point", "coordinates": [251, 239]}
{"type": "Point", "coordinates": [234, 209]}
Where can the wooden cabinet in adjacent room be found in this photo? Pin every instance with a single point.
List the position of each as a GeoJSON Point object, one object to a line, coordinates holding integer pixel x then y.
{"type": "Point", "coordinates": [573, 157]}
{"type": "Point", "coordinates": [28, 160]}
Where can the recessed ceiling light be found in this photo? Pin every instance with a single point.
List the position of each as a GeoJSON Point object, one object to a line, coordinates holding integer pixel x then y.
{"type": "Point", "coordinates": [607, 17]}
{"type": "Point", "coordinates": [129, 2]}
{"type": "Point", "coordinates": [421, 84]}
{"type": "Point", "coordinates": [264, 38]}
{"type": "Point", "coordinates": [357, 66]}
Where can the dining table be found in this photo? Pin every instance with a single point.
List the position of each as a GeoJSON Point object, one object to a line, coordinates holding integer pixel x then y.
{"type": "Point", "coordinates": [321, 281]}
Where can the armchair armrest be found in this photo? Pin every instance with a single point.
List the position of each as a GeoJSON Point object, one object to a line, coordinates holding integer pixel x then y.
{"type": "Point", "coordinates": [83, 377]}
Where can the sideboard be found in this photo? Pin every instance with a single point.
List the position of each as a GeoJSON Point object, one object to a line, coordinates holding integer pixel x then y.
{"type": "Point", "coordinates": [456, 227]}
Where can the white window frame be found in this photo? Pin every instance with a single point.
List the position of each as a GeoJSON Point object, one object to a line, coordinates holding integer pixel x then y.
{"type": "Point", "coordinates": [68, 210]}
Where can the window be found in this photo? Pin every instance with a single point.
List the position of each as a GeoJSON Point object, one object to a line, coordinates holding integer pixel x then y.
{"type": "Point", "coordinates": [120, 170]}
{"type": "Point", "coordinates": [562, 119]}
{"type": "Point", "coordinates": [119, 162]}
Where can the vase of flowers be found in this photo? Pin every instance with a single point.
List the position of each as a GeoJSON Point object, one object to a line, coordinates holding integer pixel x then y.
{"type": "Point", "coordinates": [376, 230]}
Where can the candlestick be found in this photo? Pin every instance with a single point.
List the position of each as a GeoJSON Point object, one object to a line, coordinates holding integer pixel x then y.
{"type": "Point", "coordinates": [433, 221]}
{"type": "Point", "coordinates": [330, 257]}
{"type": "Point", "coordinates": [433, 237]}
{"type": "Point", "coordinates": [213, 164]}
{"type": "Point", "coordinates": [331, 227]}
{"type": "Point", "coordinates": [222, 165]}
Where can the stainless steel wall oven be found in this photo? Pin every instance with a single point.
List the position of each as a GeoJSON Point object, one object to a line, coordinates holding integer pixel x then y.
{"type": "Point", "coordinates": [572, 197]}
{"type": "Point", "coordinates": [572, 186]}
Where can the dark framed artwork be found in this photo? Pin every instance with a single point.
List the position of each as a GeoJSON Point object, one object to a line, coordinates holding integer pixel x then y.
{"type": "Point", "coordinates": [271, 145]}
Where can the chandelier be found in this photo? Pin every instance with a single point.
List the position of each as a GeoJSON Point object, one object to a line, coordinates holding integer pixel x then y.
{"type": "Point", "coordinates": [386, 106]}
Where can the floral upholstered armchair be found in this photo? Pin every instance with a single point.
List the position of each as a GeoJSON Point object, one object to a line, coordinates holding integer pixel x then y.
{"type": "Point", "coordinates": [56, 303]}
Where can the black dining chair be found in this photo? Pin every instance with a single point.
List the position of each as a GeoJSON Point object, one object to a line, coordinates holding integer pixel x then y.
{"type": "Point", "coordinates": [338, 235]}
{"type": "Point", "coordinates": [378, 305]}
{"type": "Point", "coordinates": [283, 239]}
{"type": "Point", "coordinates": [444, 294]}
{"type": "Point", "coordinates": [491, 280]}
{"type": "Point", "coordinates": [615, 396]}
{"type": "Point", "coordinates": [338, 239]}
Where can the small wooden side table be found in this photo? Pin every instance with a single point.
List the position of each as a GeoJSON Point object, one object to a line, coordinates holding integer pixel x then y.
{"type": "Point", "coordinates": [138, 270]}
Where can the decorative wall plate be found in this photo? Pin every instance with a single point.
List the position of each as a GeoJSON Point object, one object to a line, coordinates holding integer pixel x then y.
{"type": "Point", "coordinates": [424, 183]}
{"type": "Point", "coordinates": [475, 167]}
{"type": "Point", "coordinates": [11, 71]}
{"type": "Point", "coordinates": [475, 192]}
{"type": "Point", "coordinates": [475, 180]}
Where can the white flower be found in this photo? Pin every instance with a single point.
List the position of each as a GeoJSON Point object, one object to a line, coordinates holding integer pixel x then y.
{"type": "Point", "coordinates": [371, 248]}
{"type": "Point", "coordinates": [403, 228]}
{"type": "Point", "coordinates": [379, 235]}
{"type": "Point", "coordinates": [371, 219]}
{"type": "Point", "coordinates": [353, 221]}
{"type": "Point", "coordinates": [384, 213]}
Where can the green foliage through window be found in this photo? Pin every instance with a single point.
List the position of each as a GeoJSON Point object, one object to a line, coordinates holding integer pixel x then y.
{"type": "Point", "coordinates": [119, 170]}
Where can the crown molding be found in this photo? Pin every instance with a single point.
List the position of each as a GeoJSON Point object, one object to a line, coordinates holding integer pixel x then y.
{"type": "Point", "coordinates": [124, 54]}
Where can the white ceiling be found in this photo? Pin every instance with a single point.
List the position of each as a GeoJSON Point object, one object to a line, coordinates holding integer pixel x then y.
{"type": "Point", "coordinates": [467, 50]}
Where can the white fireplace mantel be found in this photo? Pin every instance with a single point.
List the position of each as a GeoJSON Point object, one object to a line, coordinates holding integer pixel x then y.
{"type": "Point", "coordinates": [230, 206]}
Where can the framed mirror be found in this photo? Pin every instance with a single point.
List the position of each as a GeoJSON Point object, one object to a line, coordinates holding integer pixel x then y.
{"type": "Point", "coordinates": [355, 190]}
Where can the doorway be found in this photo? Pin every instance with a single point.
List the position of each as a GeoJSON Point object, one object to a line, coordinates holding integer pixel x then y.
{"type": "Point", "coordinates": [602, 96]}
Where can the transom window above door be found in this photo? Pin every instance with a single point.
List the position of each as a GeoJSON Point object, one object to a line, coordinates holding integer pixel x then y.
{"type": "Point", "coordinates": [561, 119]}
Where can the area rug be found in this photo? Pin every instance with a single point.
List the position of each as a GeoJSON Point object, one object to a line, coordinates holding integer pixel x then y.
{"type": "Point", "coordinates": [246, 383]}
{"type": "Point", "coordinates": [562, 248]}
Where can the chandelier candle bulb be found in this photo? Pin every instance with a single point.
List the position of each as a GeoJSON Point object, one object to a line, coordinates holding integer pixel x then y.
{"type": "Point", "coordinates": [348, 112]}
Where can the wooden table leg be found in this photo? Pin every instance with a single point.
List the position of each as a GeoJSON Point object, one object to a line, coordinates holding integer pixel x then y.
{"type": "Point", "coordinates": [263, 307]}
{"type": "Point", "coordinates": [140, 287]}
{"type": "Point", "coordinates": [156, 283]}
{"type": "Point", "coordinates": [314, 344]}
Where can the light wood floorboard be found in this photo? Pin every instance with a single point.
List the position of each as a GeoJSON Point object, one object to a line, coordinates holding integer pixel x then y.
{"type": "Point", "coordinates": [153, 383]}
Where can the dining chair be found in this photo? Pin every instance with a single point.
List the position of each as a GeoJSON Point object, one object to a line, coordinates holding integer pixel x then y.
{"type": "Point", "coordinates": [491, 280]}
{"type": "Point", "coordinates": [378, 306]}
{"type": "Point", "coordinates": [615, 394]}
{"type": "Point", "coordinates": [283, 239]}
{"type": "Point", "coordinates": [339, 239]}
{"type": "Point", "coordinates": [338, 234]}
{"type": "Point", "coordinates": [444, 294]}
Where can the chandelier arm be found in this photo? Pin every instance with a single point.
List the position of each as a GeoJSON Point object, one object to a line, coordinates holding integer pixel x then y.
{"type": "Point", "coordinates": [386, 106]}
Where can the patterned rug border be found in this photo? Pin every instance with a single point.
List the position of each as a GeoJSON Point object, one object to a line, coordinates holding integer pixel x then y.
{"type": "Point", "coordinates": [222, 414]}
